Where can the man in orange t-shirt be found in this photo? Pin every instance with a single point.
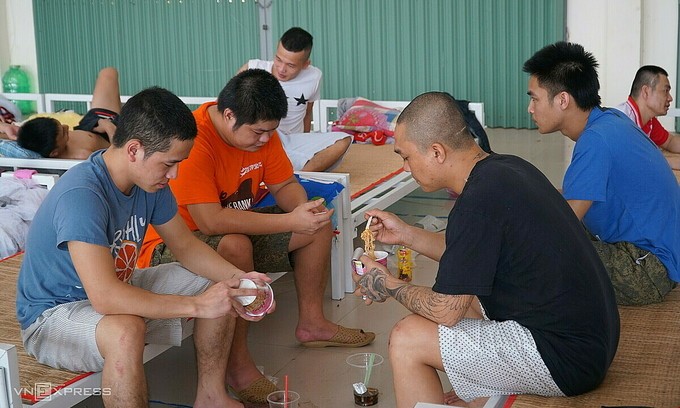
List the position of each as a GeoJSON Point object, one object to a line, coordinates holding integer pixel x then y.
{"type": "Point", "coordinates": [237, 149]}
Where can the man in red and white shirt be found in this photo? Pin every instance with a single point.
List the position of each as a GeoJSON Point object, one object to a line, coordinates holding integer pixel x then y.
{"type": "Point", "coordinates": [650, 96]}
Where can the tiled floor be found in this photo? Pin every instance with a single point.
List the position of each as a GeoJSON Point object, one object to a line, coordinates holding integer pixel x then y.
{"type": "Point", "coordinates": [321, 375]}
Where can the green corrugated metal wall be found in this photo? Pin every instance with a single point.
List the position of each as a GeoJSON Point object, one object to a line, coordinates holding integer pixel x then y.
{"type": "Point", "coordinates": [379, 49]}
{"type": "Point", "coordinates": [397, 49]}
{"type": "Point", "coordinates": [190, 47]}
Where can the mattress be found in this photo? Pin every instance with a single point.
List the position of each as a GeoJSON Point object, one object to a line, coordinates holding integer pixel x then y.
{"type": "Point", "coordinates": [645, 371]}
{"type": "Point", "coordinates": [368, 166]}
{"type": "Point", "coordinates": [30, 371]}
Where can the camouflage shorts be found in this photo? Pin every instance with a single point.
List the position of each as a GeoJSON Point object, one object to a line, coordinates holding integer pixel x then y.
{"type": "Point", "coordinates": [270, 251]}
{"type": "Point", "coordinates": [638, 276]}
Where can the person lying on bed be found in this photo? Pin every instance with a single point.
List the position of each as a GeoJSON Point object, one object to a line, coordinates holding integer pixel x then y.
{"type": "Point", "coordinates": [237, 149]}
{"type": "Point", "coordinates": [82, 305]}
{"type": "Point", "coordinates": [8, 131]}
{"type": "Point", "coordinates": [301, 82]}
{"type": "Point", "coordinates": [521, 303]}
{"type": "Point", "coordinates": [50, 138]}
{"type": "Point", "coordinates": [618, 182]}
{"type": "Point", "coordinates": [9, 115]}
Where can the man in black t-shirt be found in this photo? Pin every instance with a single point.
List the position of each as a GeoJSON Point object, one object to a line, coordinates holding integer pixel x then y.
{"type": "Point", "coordinates": [521, 301]}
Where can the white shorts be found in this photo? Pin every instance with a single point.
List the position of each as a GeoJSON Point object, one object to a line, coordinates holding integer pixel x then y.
{"type": "Point", "coordinates": [483, 358]}
{"type": "Point", "coordinates": [301, 147]}
{"type": "Point", "coordinates": [64, 336]}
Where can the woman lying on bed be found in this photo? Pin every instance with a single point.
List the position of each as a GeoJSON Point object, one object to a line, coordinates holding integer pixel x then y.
{"type": "Point", "coordinates": [51, 138]}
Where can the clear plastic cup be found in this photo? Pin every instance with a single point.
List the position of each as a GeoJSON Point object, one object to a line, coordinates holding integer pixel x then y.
{"type": "Point", "coordinates": [364, 377]}
{"type": "Point", "coordinates": [276, 400]}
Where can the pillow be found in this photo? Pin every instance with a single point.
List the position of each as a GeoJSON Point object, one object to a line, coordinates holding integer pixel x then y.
{"type": "Point", "coordinates": [66, 117]}
{"type": "Point", "coordinates": [10, 148]}
{"type": "Point", "coordinates": [365, 116]}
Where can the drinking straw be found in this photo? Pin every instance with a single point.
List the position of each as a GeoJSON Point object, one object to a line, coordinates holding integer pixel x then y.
{"type": "Point", "coordinates": [285, 390]}
{"type": "Point", "coordinates": [371, 359]}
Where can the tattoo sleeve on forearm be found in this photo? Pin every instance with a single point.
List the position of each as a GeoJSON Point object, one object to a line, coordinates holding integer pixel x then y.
{"type": "Point", "coordinates": [420, 300]}
{"type": "Point", "coordinates": [424, 301]}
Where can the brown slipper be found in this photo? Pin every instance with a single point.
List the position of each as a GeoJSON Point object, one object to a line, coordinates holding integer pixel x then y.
{"type": "Point", "coordinates": [344, 337]}
{"type": "Point", "coordinates": [256, 392]}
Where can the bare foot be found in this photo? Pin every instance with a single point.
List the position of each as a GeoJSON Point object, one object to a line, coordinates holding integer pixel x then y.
{"type": "Point", "coordinates": [451, 398]}
{"type": "Point", "coordinates": [203, 400]}
{"type": "Point", "coordinates": [478, 403]}
{"type": "Point", "coordinates": [241, 374]}
{"type": "Point", "coordinates": [322, 331]}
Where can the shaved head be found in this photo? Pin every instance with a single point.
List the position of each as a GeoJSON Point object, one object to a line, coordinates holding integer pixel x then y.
{"type": "Point", "coordinates": [434, 117]}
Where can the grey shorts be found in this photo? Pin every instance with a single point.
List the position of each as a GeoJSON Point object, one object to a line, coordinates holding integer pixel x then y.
{"type": "Point", "coordinates": [270, 251]}
{"type": "Point", "coordinates": [483, 358]}
{"type": "Point", "coordinates": [64, 336]}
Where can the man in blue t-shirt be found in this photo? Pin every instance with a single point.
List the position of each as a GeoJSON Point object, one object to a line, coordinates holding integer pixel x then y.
{"type": "Point", "coordinates": [521, 303]}
{"type": "Point", "coordinates": [618, 182]}
{"type": "Point", "coordinates": [82, 305]}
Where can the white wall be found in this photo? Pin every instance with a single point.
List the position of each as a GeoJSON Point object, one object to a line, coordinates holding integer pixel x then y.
{"type": "Point", "coordinates": [17, 38]}
{"type": "Point", "coordinates": [622, 34]}
{"type": "Point", "coordinates": [611, 30]}
{"type": "Point", "coordinates": [660, 42]}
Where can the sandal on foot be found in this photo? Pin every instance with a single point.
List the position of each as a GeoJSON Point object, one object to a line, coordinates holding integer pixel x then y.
{"type": "Point", "coordinates": [256, 392]}
{"type": "Point", "coordinates": [344, 337]}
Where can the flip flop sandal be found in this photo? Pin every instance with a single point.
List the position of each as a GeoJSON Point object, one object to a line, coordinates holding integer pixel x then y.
{"type": "Point", "coordinates": [256, 392]}
{"type": "Point", "coordinates": [344, 337]}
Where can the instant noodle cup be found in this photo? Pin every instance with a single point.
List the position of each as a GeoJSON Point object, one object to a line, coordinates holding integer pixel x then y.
{"type": "Point", "coordinates": [259, 305]}
{"type": "Point", "coordinates": [381, 257]}
{"type": "Point", "coordinates": [359, 267]}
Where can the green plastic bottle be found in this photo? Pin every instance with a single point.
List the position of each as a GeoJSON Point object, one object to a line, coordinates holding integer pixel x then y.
{"type": "Point", "coordinates": [15, 80]}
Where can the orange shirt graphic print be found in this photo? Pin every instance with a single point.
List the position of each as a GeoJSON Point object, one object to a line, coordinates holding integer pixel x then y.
{"type": "Point", "coordinates": [126, 259]}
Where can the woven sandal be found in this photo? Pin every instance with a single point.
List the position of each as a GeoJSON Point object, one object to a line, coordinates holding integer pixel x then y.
{"type": "Point", "coordinates": [344, 337]}
{"type": "Point", "coordinates": [256, 392]}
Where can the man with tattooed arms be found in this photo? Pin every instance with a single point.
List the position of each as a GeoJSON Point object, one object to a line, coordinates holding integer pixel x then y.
{"type": "Point", "coordinates": [521, 303]}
